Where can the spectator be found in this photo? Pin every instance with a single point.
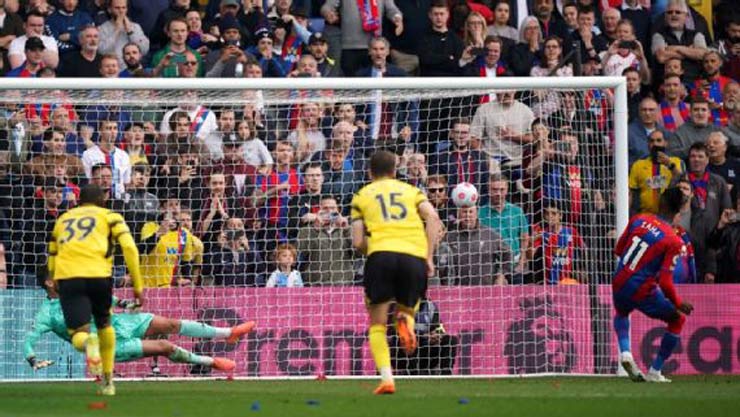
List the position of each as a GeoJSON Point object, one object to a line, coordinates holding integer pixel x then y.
{"type": "Point", "coordinates": [138, 200]}
{"type": "Point", "coordinates": [131, 54]}
{"type": "Point", "coordinates": [626, 32]}
{"type": "Point", "coordinates": [480, 256]}
{"type": "Point", "coordinates": [318, 47]}
{"type": "Point", "coordinates": [235, 262]}
{"type": "Point", "coordinates": [550, 24]}
{"type": "Point", "coordinates": [12, 28]}
{"type": "Point", "coordinates": [674, 111]}
{"type": "Point", "coordinates": [676, 40]}
{"type": "Point", "coordinates": [172, 255]}
{"type": "Point", "coordinates": [623, 54]}
{"type": "Point", "coordinates": [436, 351]}
{"type": "Point", "coordinates": [174, 54]}
{"type": "Point", "coordinates": [543, 102]}
{"type": "Point", "coordinates": [217, 208]}
{"type": "Point", "coordinates": [711, 198]}
{"type": "Point", "coordinates": [33, 28]}
{"type": "Point", "coordinates": [405, 46]}
{"type": "Point", "coordinates": [303, 208]}
{"type": "Point", "coordinates": [109, 66]}
{"type": "Point", "coordinates": [180, 175]}
{"type": "Point", "coordinates": [308, 139]}
{"type": "Point", "coordinates": [53, 155]}
{"type": "Point", "coordinates": [197, 38]}
{"type": "Point", "coordinates": [254, 149]}
{"type": "Point", "coordinates": [458, 163]}
{"type": "Point", "coordinates": [270, 62]}
{"type": "Point", "coordinates": [651, 175]}
{"type": "Point", "coordinates": [589, 43]}
{"type": "Point", "coordinates": [439, 49]}
{"type": "Point", "coordinates": [500, 26]}
{"type": "Point", "coordinates": [227, 61]}
{"type": "Point", "coordinates": [560, 248]}
{"type": "Point", "coordinates": [732, 131]}
{"type": "Point", "coordinates": [610, 18]}
{"type": "Point", "coordinates": [307, 66]}
{"type": "Point", "coordinates": [635, 94]}
{"type": "Point", "coordinates": [507, 220]}
{"type": "Point", "coordinates": [86, 62]}
{"type": "Point", "coordinates": [134, 144]}
{"type": "Point", "coordinates": [326, 247]}
{"type": "Point", "coordinates": [725, 239]}
{"type": "Point", "coordinates": [284, 275]}
{"type": "Point", "coordinates": [439, 195]}
{"type": "Point", "coordinates": [296, 36]}
{"type": "Point", "coordinates": [525, 54]}
{"type": "Point", "coordinates": [34, 52]}
{"type": "Point", "coordinates": [106, 152]}
{"type": "Point", "coordinates": [416, 170]}
{"type": "Point", "coordinates": [712, 85]}
{"type": "Point", "coordinates": [640, 129]}
{"type": "Point", "coordinates": [38, 228]}
{"type": "Point", "coordinates": [570, 16]}
{"type": "Point", "coordinates": [239, 175]}
{"type": "Point", "coordinates": [729, 47]}
{"type": "Point", "coordinates": [274, 190]}
{"type": "Point", "coordinates": [202, 121]}
{"type": "Point", "coordinates": [339, 176]}
{"type": "Point", "coordinates": [160, 32]}
{"type": "Point", "coordinates": [503, 128]}
{"type": "Point", "coordinates": [102, 176]}
{"type": "Point", "coordinates": [697, 129]}
{"type": "Point", "coordinates": [720, 163]}
{"type": "Point", "coordinates": [489, 64]}
{"type": "Point", "coordinates": [475, 31]}
{"type": "Point", "coordinates": [119, 31]}
{"type": "Point", "coordinates": [226, 127]}
{"type": "Point", "coordinates": [251, 17]}
{"type": "Point", "coordinates": [65, 25]}
{"type": "Point", "coordinates": [343, 136]}
{"type": "Point", "coordinates": [362, 143]}
{"type": "Point", "coordinates": [358, 27]}
{"type": "Point", "coordinates": [634, 12]}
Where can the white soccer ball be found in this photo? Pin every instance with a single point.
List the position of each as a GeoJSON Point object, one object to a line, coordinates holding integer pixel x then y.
{"type": "Point", "coordinates": [465, 195]}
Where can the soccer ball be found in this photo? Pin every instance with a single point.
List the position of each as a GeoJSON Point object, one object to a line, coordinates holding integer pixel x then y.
{"type": "Point", "coordinates": [465, 195]}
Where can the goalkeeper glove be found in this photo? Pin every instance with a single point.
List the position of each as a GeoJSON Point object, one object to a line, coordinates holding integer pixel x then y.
{"type": "Point", "coordinates": [38, 364]}
{"type": "Point", "coordinates": [128, 305]}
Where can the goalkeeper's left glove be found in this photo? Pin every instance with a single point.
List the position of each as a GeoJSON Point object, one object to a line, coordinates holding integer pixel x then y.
{"type": "Point", "coordinates": [38, 364]}
{"type": "Point", "coordinates": [128, 305]}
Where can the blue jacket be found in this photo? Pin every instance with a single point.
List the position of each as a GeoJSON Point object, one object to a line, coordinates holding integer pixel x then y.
{"type": "Point", "coordinates": [62, 22]}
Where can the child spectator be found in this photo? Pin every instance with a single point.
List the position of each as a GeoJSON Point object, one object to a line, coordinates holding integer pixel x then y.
{"type": "Point", "coordinates": [285, 275]}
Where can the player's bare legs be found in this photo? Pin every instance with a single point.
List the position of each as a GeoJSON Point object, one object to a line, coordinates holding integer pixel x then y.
{"type": "Point", "coordinates": [379, 346]}
{"type": "Point", "coordinates": [164, 326]}
{"type": "Point", "coordinates": [180, 355]}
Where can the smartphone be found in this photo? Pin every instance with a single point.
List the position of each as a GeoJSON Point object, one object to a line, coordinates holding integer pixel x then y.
{"type": "Point", "coordinates": [734, 217]}
{"type": "Point", "coordinates": [478, 51]}
{"type": "Point", "coordinates": [627, 44]}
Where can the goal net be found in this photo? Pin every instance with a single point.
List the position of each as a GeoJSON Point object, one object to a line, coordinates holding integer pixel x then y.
{"type": "Point", "coordinates": [238, 195]}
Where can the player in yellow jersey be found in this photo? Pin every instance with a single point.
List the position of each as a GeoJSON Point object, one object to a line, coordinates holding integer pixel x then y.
{"type": "Point", "coordinates": [81, 264]}
{"type": "Point", "coordinates": [388, 225]}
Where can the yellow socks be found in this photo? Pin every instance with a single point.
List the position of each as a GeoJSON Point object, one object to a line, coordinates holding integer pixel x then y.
{"type": "Point", "coordinates": [79, 340]}
{"type": "Point", "coordinates": [380, 350]}
{"type": "Point", "coordinates": [107, 339]}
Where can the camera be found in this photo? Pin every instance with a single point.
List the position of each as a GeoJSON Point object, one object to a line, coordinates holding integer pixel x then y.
{"type": "Point", "coordinates": [478, 51]}
{"type": "Point", "coordinates": [628, 44]}
{"type": "Point", "coordinates": [234, 234]}
{"type": "Point", "coordinates": [233, 42]}
{"type": "Point", "coordinates": [734, 217]}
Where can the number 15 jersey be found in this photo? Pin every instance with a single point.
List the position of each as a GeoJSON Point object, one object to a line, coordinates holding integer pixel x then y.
{"type": "Point", "coordinates": [648, 251]}
{"type": "Point", "coordinates": [389, 210]}
{"type": "Point", "coordinates": [82, 242]}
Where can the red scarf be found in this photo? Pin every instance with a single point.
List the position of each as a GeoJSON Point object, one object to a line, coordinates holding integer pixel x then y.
{"type": "Point", "coordinates": [700, 187]}
{"type": "Point", "coordinates": [369, 15]}
{"type": "Point", "coordinates": [500, 70]}
{"type": "Point", "coordinates": [668, 121]}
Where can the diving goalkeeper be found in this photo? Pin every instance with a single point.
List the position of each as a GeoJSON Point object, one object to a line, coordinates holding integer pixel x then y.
{"type": "Point", "coordinates": [130, 330]}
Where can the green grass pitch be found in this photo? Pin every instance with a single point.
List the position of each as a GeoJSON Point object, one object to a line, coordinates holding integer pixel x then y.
{"type": "Point", "coordinates": [551, 396]}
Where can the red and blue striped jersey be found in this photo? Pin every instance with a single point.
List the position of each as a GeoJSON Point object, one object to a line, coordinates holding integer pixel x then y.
{"type": "Point", "coordinates": [648, 251]}
{"type": "Point", "coordinates": [276, 210]}
{"type": "Point", "coordinates": [685, 270]}
{"type": "Point", "coordinates": [559, 250]}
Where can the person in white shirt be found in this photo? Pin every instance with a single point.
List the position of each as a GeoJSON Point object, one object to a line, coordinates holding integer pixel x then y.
{"type": "Point", "coordinates": [285, 276]}
{"type": "Point", "coordinates": [34, 28]}
{"type": "Point", "coordinates": [105, 152]}
{"type": "Point", "coordinates": [255, 151]}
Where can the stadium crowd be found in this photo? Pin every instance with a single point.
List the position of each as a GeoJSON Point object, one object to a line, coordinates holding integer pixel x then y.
{"type": "Point", "coordinates": [259, 194]}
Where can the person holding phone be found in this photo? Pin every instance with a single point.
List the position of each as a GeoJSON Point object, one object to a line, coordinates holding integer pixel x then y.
{"type": "Point", "coordinates": [650, 176]}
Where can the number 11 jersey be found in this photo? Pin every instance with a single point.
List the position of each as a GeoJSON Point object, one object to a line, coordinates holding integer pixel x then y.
{"type": "Point", "coordinates": [82, 242]}
{"type": "Point", "coordinates": [389, 210]}
{"type": "Point", "coordinates": [648, 251]}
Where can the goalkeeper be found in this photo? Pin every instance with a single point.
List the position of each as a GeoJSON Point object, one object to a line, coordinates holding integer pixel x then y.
{"type": "Point", "coordinates": [130, 330]}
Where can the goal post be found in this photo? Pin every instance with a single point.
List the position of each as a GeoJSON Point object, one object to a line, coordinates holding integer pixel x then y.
{"type": "Point", "coordinates": [235, 205]}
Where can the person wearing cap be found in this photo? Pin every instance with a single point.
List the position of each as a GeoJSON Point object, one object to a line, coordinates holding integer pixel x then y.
{"type": "Point", "coordinates": [119, 30]}
{"type": "Point", "coordinates": [318, 47]}
{"type": "Point", "coordinates": [226, 8]}
{"type": "Point", "coordinates": [34, 60]}
{"type": "Point", "coordinates": [34, 28]}
{"type": "Point", "coordinates": [223, 62]}
{"type": "Point", "coordinates": [357, 31]}
{"type": "Point", "coordinates": [270, 61]}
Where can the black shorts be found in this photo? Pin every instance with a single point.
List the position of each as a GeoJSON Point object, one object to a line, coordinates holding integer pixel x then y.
{"type": "Point", "coordinates": [395, 276]}
{"type": "Point", "coordinates": [82, 298]}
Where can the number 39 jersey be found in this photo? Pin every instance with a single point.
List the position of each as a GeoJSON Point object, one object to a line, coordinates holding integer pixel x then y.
{"type": "Point", "coordinates": [389, 210]}
{"type": "Point", "coordinates": [648, 251]}
{"type": "Point", "coordinates": [82, 242]}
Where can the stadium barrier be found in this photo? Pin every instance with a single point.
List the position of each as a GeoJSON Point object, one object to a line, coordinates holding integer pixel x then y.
{"type": "Point", "coordinates": [519, 330]}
